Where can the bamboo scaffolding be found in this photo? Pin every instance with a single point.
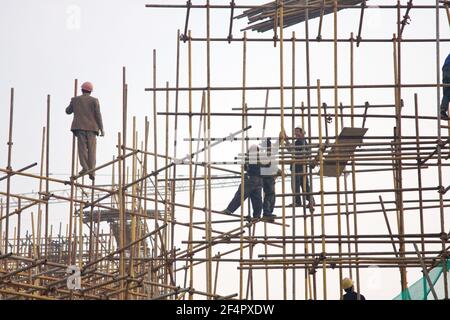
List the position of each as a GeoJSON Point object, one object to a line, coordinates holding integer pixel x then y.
{"type": "Point", "coordinates": [167, 252]}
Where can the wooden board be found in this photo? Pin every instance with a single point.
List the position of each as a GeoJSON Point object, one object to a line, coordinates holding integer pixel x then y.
{"type": "Point", "coordinates": [354, 136]}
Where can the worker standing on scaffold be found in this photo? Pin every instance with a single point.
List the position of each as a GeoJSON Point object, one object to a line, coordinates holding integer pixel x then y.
{"type": "Point", "coordinates": [269, 175]}
{"type": "Point", "coordinates": [301, 151]}
{"type": "Point", "coordinates": [87, 124]}
{"type": "Point", "coordinates": [252, 185]}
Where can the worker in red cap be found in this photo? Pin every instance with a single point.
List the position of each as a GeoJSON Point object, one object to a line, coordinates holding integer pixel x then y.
{"type": "Point", "coordinates": [86, 126]}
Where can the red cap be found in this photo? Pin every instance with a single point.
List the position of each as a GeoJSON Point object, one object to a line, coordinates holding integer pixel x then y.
{"type": "Point", "coordinates": [87, 86]}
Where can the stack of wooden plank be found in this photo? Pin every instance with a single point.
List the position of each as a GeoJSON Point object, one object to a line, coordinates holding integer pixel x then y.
{"type": "Point", "coordinates": [262, 19]}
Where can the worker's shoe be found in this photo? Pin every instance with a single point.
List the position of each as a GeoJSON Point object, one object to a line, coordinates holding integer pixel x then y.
{"type": "Point", "coordinates": [268, 217]}
{"type": "Point", "coordinates": [249, 218]}
{"type": "Point", "coordinates": [91, 176]}
{"type": "Point", "coordinates": [444, 115]}
{"type": "Point", "coordinates": [226, 211]}
{"type": "Point", "coordinates": [82, 172]}
{"type": "Point", "coordinates": [295, 205]}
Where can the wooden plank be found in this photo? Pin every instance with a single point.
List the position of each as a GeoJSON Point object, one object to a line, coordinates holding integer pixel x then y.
{"type": "Point", "coordinates": [349, 139]}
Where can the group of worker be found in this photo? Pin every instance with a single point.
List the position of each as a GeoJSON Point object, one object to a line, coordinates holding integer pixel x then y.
{"type": "Point", "coordinates": [261, 170]}
{"type": "Point", "coordinates": [261, 164]}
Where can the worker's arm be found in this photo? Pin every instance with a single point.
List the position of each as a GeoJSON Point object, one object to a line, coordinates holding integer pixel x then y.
{"type": "Point", "coordinates": [284, 139]}
{"type": "Point", "coordinates": [69, 109]}
{"type": "Point", "coordinates": [98, 117]}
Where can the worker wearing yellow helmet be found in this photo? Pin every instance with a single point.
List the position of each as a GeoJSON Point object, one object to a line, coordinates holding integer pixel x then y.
{"type": "Point", "coordinates": [350, 294]}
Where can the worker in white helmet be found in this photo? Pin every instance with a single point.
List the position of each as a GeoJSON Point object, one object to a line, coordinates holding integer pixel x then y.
{"type": "Point", "coordinates": [252, 184]}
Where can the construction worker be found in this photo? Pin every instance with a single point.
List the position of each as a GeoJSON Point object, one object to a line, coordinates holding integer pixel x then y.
{"type": "Point", "coordinates": [269, 175]}
{"type": "Point", "coordinates": [301, 151]}
{"type": "Point", "coordinates": [350, 294]}
{"type": "Point", "coordinates": [86, 125]}
{"type": "Point", "coordinates": [252, 185]}
{"type": "Point", "coordinates": [446, 90]}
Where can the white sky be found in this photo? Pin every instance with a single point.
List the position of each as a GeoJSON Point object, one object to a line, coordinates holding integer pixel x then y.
{"type": "Point", "coordinates": [46, 45]}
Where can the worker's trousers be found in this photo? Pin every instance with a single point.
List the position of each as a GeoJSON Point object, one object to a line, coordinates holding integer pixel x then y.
{"type": "Point", "coordinates": [252, 189]}
{"type": "Point", "coordinates": [300, 179]}
{"type": "Point", "coordinates": [269, 194]}
{"type": "Point", "coordinates": [446, 90]}
{"type": "Point", "coordinates": [87, 145]}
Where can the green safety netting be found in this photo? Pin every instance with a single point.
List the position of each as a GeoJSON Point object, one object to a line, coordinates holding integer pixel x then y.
{"type": "Point", "coordinates": [420, 290]}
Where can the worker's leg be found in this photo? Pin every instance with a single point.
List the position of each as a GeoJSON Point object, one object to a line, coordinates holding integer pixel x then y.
{"type": "Point", "coordinates": [305, 184]}
{"type": "Point", "coordinates": [82, 148]}
{"type": "Point", "coordinates": [255, 195]}
{"type": "Point", "coordinates": [297, 184]}
{"type": "Point", "coordinates": [92, 149]}
{"type": "Point", "coordinates": [269, 194]}
{"type": "Point", "coordinates": [236, 201]}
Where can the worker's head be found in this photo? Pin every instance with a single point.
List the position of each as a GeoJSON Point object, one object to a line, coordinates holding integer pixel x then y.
{"type": "Point", "coordinates": [87, 87]}
{"type": "Point", "coordinates": [253, 149]}
{"type": "Point", "coordinates": [347, 284]}
{"type": "Point", "coordinates": [299, 133]}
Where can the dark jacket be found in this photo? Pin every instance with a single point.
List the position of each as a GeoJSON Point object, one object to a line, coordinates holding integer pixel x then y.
{"type": "Point", "coordinates": [253, 168]}
{"type": "Point", "coordinates": [301, 151]}
{"type": "Point", "coordinates": [87, 116]}
{"type": "Point", "coordinates": [352, 296]}
{"type": "Point", "coordinates": [447, 62]}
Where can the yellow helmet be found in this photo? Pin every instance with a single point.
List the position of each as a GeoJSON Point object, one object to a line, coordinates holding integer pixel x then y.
{"type": "Point", "coordinates": [347, 283]}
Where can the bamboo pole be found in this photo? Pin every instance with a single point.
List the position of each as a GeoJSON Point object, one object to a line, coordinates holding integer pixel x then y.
{"type": "Point", "coordinates": [322, 198]}
{"type": "Point", "coordinates": [8, 180]}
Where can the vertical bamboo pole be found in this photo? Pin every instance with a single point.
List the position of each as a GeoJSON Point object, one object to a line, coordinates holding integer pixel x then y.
{"type": "Point", "coordinates": [322, 199]}
{"type": "Point", "coordinates": [8, 166]}
{"type": "Point", "coordinates": [173, 198]}
{"type": "Point", "coordinates": [308, 95]}
{"type": "Point", "coordinates": [166, 189]}
{"type": "Point", "coordinates": [121, 212]}
{"type": "Point", "coordinates": [439, 151]}
{"type": "Point", "coordinates": [155, 146]}
{"type": "Point", "coordinates": [123, 201]}
{"type": "Point", "coordinates": [80, 237]}
{"type": "Point", "coordinates": [336, 133]}
{"type": "Point", "coordinates": [397, 148]}
{"type": "Point", "coordinates": [354, 195]}
{"type": "Point", "coordinates": [47, 173]}
{"type": "Point", "coordinates": [419, 171]}
{"type": "Point", "coordinates": [294, 278]}
{"type": "Point", "coordinates": [145, 182]}
{"type": "Point", "coordinates": [14, 243]}
{"type": "Point", "coordinates": [19, 211]}
{"type": "Point", "coordinates": [33, 236]}
{"type": "Point", "coordinates": [91, 224]}
{"type": "Point", "coordinates": [283, 189]}
{"type": "Point", "coordinates": [347, 208]}
{"type": "Point", "coordinates": [72, 188]}
{"type": "Point", "coordinates": [266, 274]}
{"type": "Point", "coordinates": [191, 198]}
{"type": "Point", "coordinates": [244, 109]}
{"type": "Point", "coordinates": [133, 201]}
{"type": "Point", "coordinates": [208, 152]}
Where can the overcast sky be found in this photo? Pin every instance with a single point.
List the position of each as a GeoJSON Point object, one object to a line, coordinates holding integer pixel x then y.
{"type": "Point", "coordinates": [47, 44]}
